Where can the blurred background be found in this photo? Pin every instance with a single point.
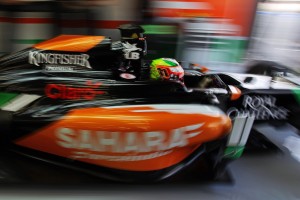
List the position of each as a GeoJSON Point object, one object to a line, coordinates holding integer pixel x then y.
{"type": "Point", "coordinates": [220, 34]}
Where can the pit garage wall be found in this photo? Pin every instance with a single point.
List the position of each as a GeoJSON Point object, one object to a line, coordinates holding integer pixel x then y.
{"type": "Point", "coordinates": [22, 26]}
{"type": "Point", "coordinates": [105, 18]}
{"type": "Point", "coordinates": [276, 34]}
{"type": "Point", "coordinates": [220, 36]}
{"type": "Point", "coordinates": [110, 17]}
{"type": "Point", "coordinates": [3, 33]}
{"type": "Point", "coordinates": [28, 25]}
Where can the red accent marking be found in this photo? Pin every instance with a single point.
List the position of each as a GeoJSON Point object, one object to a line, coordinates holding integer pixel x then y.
{"type": "Point", "coordinates": [109, 24]}
{"type": "Point", "coordinates": [106, 24]}
{"type": "Point", "coordinates": [69, 23]}
{"type": "Point", "coordinates": [4, 19]}
{"type": "Point", "coordinates": [32, 20]}
{"type": "Point", "coordinates": [59, 91]}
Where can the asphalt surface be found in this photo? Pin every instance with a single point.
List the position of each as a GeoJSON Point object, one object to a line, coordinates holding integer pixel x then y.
{"type": "Point", "coordinates": [258, 174]}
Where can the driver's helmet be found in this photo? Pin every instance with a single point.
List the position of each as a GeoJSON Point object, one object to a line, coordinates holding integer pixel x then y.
{"type": "Point", "coordinates": [166, 69]}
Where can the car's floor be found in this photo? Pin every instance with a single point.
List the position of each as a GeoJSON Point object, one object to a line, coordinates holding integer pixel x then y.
{"type": "Point", "coordinates": [258, 174]}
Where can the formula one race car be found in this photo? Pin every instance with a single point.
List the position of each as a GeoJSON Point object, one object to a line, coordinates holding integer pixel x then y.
{"type": "Point", "coordinates": [93, 105]}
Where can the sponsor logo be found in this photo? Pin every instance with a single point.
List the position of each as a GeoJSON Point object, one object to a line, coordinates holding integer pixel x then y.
{"type": "Point", "coordinates": [129, 51]}
{"type": "Point", "coordinates": [60, 91]}
{"type": "Point", "coordinates": [132, 55]}
{"type": "Point", "coordinates": [262, 107]}
{"type": "Point", "coordinates": [37, 58]}
{"type": "Point", "coordinates": [131, 137]}
{"type": "Point", "coordinates": [54, 68]}
{"type": "Point", "coordinates": [127, 76]}
{"type": "Point", "coordinates": [126, 142]}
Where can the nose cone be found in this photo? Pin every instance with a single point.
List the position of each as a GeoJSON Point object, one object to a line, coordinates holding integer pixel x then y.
{"type": "Point", "coordinates": [220, 127]}
{"type": "Point", "coordinates": [214, 126]}
{"type": "Point", "coordinates": [217, 123]}
{"type": "Point", "coordinates": [227, 125]}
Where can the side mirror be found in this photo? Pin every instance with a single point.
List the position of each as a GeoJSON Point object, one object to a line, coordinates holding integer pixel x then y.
{"type": "Point", "coordinates": [236, 93]}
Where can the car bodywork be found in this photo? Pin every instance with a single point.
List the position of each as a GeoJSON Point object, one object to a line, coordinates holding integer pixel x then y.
{"type": "Point", "coordinates": [268, 98]}
{"type": "Point", "coordinates": [87, 103]}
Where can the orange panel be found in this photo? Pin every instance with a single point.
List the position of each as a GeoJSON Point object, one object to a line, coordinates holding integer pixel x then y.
{"type": "Point", "coordinates": [76, 43]}
{"type": "Point", "coordinates": [236, 93]}
{"type": "Point", "coordinates": [139, 138]}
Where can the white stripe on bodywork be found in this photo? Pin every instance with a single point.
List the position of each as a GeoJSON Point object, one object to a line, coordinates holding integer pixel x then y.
{"type": "Point", "coordinates": [247, 130]}
{"type": "Point", "coordinates": [20, 102]}
{"type": "Point", "coordinates": [233, 89]}
{"type": "Point", "coordinates": [240, 131]}
{"type": "Point", "coordinates": [176, 109]}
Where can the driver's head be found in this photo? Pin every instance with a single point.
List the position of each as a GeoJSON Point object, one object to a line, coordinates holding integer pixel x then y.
{"type": "Point", "coordinates": [166, 69]}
